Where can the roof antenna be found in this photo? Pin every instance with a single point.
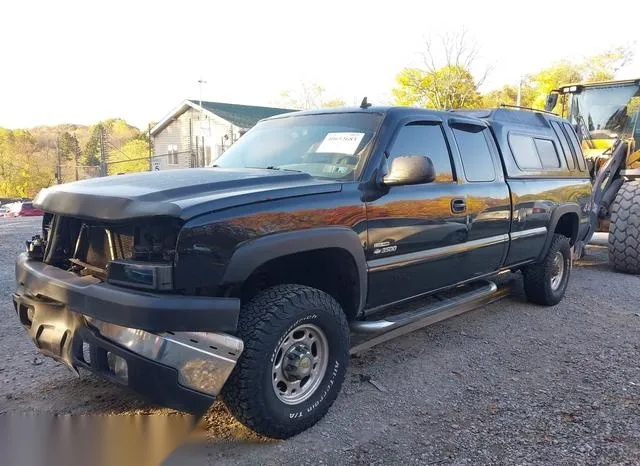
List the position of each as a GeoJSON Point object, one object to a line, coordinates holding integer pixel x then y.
{"type": "Point", "coordinates": [364, 103]}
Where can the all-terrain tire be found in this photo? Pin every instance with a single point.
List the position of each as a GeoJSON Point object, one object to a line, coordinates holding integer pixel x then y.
{"type": "Point", "coordinates": [264, 323]}
{"type": "Point", "coordinates": [624, 229]}
{"type": "Point", "coordinates": [538, 278]}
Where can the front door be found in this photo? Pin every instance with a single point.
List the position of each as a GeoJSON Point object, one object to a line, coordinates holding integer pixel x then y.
{"type": "Point", "coordinates": [415, 232]}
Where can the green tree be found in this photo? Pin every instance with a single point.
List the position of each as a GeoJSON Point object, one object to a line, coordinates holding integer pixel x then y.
{"type": "Point", "coordinates": [131, 157]}
{"type": "Point", "coordinates": [445, 88]}
{"type": "Point", "coordinates": [508, 95]}
{"type": "Point", "coordinates": [117, 132]}
{"type": "Point", "coordinates": [92, 148]}
{"type": "Point", "coordinates": [599, 67]}
{"type": "Point", "coordinates": [67, 145]}
{"type": "Point", "coordinates": [24, 169]}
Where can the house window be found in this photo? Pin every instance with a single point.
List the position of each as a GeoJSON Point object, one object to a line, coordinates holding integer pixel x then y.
{"type": "Point", "coordinates": [172, 150]}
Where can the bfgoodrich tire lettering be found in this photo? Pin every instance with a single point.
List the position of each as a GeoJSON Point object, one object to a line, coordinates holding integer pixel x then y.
{"type": "Point", "coordinates": [542, 284]}
{"type": "Point", "coordinates": [264, 322]}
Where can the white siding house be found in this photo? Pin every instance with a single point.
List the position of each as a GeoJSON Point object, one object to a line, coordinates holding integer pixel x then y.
{"type": "Point", "coordinates": [194, 135]}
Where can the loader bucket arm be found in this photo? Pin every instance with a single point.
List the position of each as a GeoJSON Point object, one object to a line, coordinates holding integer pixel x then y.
{"type": "Point", "coordinates": [606, 183]}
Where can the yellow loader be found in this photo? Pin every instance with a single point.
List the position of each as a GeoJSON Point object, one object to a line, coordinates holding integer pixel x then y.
{"type": "Point", "coordinates": [605, 115]}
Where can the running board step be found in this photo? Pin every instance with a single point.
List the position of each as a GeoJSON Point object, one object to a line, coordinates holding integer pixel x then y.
{"type": "Point", "coordinates": [368, 333]}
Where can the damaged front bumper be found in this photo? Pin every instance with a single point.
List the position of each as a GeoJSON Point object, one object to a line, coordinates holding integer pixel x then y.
{"type": "Point", "coordinates": [180, 369]}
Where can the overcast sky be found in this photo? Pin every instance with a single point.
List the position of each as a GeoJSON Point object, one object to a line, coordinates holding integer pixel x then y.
{"type": "Point", "coordinates": [80, 62]}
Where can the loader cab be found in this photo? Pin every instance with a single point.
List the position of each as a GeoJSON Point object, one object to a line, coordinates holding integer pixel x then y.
{"type": "Point", "coordinates": [601, 113]}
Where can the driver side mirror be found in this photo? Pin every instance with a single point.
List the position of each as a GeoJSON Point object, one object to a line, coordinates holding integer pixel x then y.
{"type": "Point", "coordinates": [410, 169]}
{"type": "Point", "coordinates": [552, 100]}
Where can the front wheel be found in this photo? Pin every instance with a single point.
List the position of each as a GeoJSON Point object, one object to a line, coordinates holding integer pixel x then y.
{"type": "Point", "coordinates": [294, 361]}
{"type": "Point", "coordinates": [546, 282]}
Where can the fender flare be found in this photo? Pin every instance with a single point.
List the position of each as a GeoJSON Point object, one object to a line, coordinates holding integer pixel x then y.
{"type": "Point", "coordinates": [251, 254]}
{"type": "Point", "coordinates": [553, 223]}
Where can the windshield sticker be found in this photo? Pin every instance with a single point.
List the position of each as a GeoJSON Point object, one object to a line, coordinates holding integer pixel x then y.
{"type": "Point", "coordinates": [340, 143]}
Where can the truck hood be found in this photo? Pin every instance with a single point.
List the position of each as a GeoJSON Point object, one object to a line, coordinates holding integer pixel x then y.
{"type": "Point", "coordinates": [180, 193]}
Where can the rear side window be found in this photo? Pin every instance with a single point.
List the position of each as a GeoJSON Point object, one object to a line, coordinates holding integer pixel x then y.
{"type": "Point", "coordinates": [427, 139]}
{"type": "Point", "coordinates": [576, 146]}
{"type": "Point", "coordinates": [547, 152]}
{"type": "Point", "coordinates": [533, 153]}
{"type": "Point", "coordinates": [474, 150]}
{"type": "Point", "coordinates": [568, 155]}
{"type": "Point", "coordinates": [524, 151]}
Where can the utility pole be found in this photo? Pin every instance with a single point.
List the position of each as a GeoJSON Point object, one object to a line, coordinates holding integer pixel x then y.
{"type": "Point", "coordinates": [150, 149]}
{"type": "Point", "coordinates": [58, 169]}
{"type": "Point", "coordinates": [201, 82]}
{"type": "Point", "coordinates": [519, 92]}
{"type": "Point", "coordinates": [76, 154]}
{"type": "Point", "coordinates": [103, 153]}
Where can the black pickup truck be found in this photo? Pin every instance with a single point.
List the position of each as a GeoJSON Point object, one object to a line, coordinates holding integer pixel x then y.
{"type": "Point", "coordinates": [247, 279]}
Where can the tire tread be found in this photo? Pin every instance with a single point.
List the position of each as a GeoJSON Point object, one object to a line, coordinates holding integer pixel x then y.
{"type": "Point", "coordinates": [624, 229]}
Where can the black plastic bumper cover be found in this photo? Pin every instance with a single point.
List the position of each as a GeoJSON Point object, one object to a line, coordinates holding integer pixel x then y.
{"type": "Point", "coordinates": [123, 306]}
{"type": "Point", "coordinates": [156, 382]}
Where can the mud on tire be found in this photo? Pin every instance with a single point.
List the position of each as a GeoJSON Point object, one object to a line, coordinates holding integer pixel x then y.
{"type": "Point", "coordinates": [624, 229]}
{"type": "Point", "coordinates": [264, 325]}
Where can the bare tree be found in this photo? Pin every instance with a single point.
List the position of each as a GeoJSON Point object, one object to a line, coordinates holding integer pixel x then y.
{"type": "Point", "coordinates": [446, 79]}
{"type": "Point", "coordinates": [308, 96]}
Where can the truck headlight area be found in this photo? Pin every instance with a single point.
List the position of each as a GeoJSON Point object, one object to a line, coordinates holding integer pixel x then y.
{"type": "Point", "coordinates": [140, 274]}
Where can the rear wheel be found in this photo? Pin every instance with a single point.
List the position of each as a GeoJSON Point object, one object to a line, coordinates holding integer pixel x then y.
{"type": "Point", "coordinates": [624, 229]}
{"type": "Point", "coordinates": [546, 282]}
{"type": "Point", "coordinates": [294, 361]}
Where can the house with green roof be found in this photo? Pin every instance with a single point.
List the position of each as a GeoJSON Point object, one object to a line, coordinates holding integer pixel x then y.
{"type": "Point", "coordinates": [195, 133]}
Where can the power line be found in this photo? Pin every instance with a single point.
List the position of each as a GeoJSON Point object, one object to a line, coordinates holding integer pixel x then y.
{"type": "Point", "coordinates": [147, 158]}
{"type": "Point", "coordinates": [116, 148]}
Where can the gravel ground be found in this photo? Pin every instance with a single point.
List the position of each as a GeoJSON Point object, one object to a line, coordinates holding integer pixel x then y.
{"type": "Point", "coordinates": [511, 383]}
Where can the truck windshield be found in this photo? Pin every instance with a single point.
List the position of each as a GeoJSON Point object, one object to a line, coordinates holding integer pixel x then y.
{"type": "Point", "coordinates": [606, 112]}
{"type": "Point", "coordinates": [330, 145]}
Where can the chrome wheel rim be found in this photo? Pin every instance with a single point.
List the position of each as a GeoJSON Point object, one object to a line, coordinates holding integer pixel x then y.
{"type": "Point", "coordinates": [300, 364]}
{"type": "Point", "coordinates": [557, 270]}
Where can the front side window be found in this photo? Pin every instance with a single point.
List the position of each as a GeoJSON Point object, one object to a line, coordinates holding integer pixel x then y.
{"type": "Point", "coordinates": [331, 145]}
{"type": "Point", "coordinates": [426, 139]}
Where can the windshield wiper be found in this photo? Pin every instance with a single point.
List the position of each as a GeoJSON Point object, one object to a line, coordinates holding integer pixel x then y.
{"type": "Point", "coordinates": [273, 167]}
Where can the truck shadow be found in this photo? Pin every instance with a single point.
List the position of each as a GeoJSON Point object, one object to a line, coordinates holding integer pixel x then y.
{"type": "Point", "coordinates": [596, 257]}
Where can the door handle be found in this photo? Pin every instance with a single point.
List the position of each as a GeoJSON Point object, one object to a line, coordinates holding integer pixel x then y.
{"type": "Point", "coordinates": [458, 206]}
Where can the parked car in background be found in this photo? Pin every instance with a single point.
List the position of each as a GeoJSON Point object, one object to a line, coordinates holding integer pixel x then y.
{"type": "Point", "coordinates": [23, 209]}
{"type": "Point", "coordinates": [4, 210]}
